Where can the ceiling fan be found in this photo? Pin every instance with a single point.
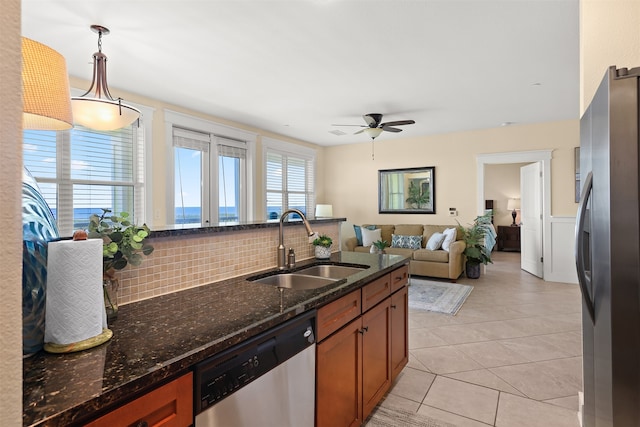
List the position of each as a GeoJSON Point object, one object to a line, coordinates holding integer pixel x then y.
{"type": "Point", "coordinates": [374, 127]}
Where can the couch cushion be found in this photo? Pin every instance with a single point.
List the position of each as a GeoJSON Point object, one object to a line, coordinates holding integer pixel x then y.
{"type": "Point", "coordinates": [435, 241]}
{"type": "Point", "coordinates": [370, 236]}
{"type": "Point", "coordinates": [387, 231]}
{"type": "Point", "coordinates": [408, 229]}
{"type": "Point", "coordinates": [434, 256]}
{"type": "Point", "coordinates": [408, 242]}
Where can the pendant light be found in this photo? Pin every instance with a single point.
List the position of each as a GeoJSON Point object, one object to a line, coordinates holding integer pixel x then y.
{"type": "Point", "coordinates": [373, 134]}
{"type": "Point", "coordinates": [100, 111]}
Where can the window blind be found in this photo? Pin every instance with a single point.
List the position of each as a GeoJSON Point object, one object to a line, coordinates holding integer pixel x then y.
{"type": "Point", "coordinates": [289, 183]}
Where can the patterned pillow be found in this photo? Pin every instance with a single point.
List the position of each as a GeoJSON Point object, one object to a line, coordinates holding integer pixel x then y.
{"type": "Point", "coordinates": [407, 242]}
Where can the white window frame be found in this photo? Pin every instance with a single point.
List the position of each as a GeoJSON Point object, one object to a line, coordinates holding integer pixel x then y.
{"type": "Point", "coordinates": [175, 119]}
{"type": "Point", "coordinates": [293, 150]}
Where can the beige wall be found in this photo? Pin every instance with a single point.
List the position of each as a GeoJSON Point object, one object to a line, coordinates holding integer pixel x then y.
{"type": "Point", "coordinates": [351, 177]}
{"type": "Point", "coordinates": [609, 35]}
{"type": "Point", "coordinates": [502, 182]}
{"type": "Point", "coordinates": [10, 211]}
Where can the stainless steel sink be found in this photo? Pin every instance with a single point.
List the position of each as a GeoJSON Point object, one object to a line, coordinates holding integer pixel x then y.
{"type": "Point", "coordinates": [331, 271]}
{"type": "Point", "coordinates": [296, 281]}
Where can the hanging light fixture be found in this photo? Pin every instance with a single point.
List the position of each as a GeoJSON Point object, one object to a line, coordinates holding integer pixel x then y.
{"type": "Point", "coordinates": [101, 112]}
{"type": "Point", "coordinates": [45, 88]}
{"type": "Point", "coordinates": [373, 133]}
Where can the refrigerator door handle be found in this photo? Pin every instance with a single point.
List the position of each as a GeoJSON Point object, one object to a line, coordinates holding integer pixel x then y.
{"type": "Point", "coordinates": [584, 279]}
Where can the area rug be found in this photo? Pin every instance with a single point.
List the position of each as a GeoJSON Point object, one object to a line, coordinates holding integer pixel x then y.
{"type": "Point", "coordinates": [385, 417]}
{"type": "Point", "coordinates": [441, 297]}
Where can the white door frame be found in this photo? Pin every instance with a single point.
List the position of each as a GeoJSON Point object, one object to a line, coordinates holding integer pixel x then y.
{"type": "Point", "coordinates": [542, 156]}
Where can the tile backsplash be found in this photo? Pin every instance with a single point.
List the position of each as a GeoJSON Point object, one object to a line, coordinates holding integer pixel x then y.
{"type": "Point", "coordinates": [183, 262]}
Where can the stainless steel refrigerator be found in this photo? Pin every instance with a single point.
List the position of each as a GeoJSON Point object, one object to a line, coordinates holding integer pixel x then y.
{"type": "Point", "coordinates": [608, 252]}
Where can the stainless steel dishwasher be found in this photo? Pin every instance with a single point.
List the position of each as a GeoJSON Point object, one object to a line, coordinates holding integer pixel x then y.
{"type": "Point", "coordinates": [268, 380]}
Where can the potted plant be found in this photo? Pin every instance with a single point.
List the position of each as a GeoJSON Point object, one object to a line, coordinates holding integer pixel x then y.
{"type": "Point", "coordinates": [476, 252]}
{"type": "Point", "coordinates": [123, 244]}
{"type": "Point", "coordinates": [322, 245]}
{"type": "Point", "coordinates": [378, 246]}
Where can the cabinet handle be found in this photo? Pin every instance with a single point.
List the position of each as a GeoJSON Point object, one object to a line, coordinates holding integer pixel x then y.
{"type": "Point", "coordinates": [394, 306]}
{"type": "Point", "coordinates": [142, 423]}
{"type": "Point", "coordinates": [363, 330]}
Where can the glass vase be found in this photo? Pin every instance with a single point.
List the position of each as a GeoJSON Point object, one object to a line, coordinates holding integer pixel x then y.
{"type": "Point", "coordinates": [110, 287]}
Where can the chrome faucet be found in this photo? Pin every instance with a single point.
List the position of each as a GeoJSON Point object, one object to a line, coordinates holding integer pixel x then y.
{"type": "Point", "coordinates": [282, 257]}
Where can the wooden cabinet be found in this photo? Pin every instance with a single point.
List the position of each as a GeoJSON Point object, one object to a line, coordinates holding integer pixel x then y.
{"type": "Point", "coordinates": [508, 238]}
{"type": "Point", "coordinates": [400, 331]}
{"type": "Point", "coordinates": [170, 405]}
{"type": "Point", "coordinates": [356, 364]}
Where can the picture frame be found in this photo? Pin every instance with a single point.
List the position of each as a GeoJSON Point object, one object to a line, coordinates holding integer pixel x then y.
{"type": "Point", "coordinates": [407, 191]}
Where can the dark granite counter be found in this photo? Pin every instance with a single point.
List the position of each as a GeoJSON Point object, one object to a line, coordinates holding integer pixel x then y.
{"type": "Point", "coordinates": [158, 339]}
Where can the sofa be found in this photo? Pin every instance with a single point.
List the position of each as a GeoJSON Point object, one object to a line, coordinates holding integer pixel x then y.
{"type": "Point", "coordinates": [423, 262]}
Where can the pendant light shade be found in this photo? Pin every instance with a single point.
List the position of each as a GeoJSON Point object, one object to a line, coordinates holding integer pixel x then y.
{"type": "Point", "coordinates": [98, 110]}
{"type": "Point", "coordinates": [373, 132]}
{"type": "Point", "coordinates": [45, 88]}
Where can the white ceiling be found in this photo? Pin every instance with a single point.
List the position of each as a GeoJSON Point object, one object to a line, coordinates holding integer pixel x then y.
{"type": "Point", "coordinates": [296, 67]}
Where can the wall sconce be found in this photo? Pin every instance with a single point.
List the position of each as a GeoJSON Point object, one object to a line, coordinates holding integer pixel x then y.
{"type": "Point", "coordinates": [324, 211]}
{"type": "Point", "coordinates": [513, 205]}
{"type": "Point", "coordinates": [46, 100]}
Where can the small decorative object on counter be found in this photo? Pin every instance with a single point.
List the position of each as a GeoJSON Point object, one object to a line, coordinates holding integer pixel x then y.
{"type": "Point", "coordinates": [378, 247]}
{"type": "Point", "coordinates": [322, 245]}
{"type": "Point", "coordinates": [123, 244]}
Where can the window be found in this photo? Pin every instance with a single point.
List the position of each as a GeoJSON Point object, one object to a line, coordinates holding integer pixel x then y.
{"type": "Point", "coordinates": [81, 171]}
{"type": "Point", "coordinates": [290, 180]}
{"type": "Point", "coordinates": [210, 174]}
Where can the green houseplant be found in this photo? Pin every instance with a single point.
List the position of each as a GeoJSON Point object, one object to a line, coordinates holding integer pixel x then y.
{"type": "Point", "coordinates": [416, 197]}
{"type": "Point", "coordinates": [123, 243]}
{"type": "Point", "coordinates": [379, 246]}
{"type": "Point", "coordinates": [322, 245]}
{"type": "Point", "coordinates": [476, 251]}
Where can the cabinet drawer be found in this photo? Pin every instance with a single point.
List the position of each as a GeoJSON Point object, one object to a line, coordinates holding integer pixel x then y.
{"type": "Point", "coordinates": [375, 292]}
{"type": "Point", "coordinates": [170, 405]}
{"type": "Point", "coordinates": [338, 313]}
{"type": "Point", "coordinates": [399, 278]}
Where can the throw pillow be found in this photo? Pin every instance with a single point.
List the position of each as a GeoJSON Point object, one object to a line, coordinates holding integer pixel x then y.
{"type": "Point", "coordinates": [407, 242]}
{"type": "Point", "coordinates": [435, 241]}
{"type": "Point", "coordinates": [449, 238]}
{"type": "Point", "coordinates": [370, 236]}
{"type": "Point", "coordinates": [358, 231]}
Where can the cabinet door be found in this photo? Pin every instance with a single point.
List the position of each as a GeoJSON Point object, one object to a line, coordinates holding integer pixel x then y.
{"type": "Point", "coordinates": [399, 331]}
{"type": "Point", "coordinates": [339, 378]}
{"type": "Point", "coordinates": [375, 292]}
{"type": "Point", "coordinates": [376, 355]}
{"type": "Point", "coordinates": [338, 313]}
{"type": "Point", "coordinates": [170, 405]}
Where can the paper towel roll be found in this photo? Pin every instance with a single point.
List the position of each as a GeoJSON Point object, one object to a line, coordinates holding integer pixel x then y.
{"type": "Point", "coordinates": [75, 301]}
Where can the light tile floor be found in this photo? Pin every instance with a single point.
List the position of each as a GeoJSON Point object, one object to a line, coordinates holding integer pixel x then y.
{"type": "Point", "coordinates": [512, 356]}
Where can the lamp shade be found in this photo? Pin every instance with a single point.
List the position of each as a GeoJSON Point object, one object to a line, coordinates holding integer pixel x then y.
{"type": "Point", "coordinates": [45, 88]}
{"type": "Point", "coordinates": [513, 204]}
{"type": "Point", "coordinates": [324, 211]}
{"type": "Point", "coordinates": [373, 132]}
{"type": "Point", "coordinates": [102, 114]}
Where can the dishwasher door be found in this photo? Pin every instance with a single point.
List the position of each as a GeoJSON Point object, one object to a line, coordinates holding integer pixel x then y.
{"type": "Point", "coordinates": [269, 380]}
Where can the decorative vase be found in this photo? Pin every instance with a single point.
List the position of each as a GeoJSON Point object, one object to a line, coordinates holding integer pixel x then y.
{"type": "Point", "coordinates": [375, 250]}
{"type": "Point", "coordinates": [473, 270]}
{"type": "Point", "coordinates": [322, 252]}
{"type": "Point", "coordinates": [110, 287]}
{"type": "Point", "coordinates": [38, 228]}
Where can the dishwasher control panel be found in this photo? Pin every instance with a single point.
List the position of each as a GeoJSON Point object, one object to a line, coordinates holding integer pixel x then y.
{"type": "Point", "coordinates": [236, 367]}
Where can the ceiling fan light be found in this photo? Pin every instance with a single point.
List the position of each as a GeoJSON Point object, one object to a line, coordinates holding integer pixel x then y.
{"type": "Point", "coordinates": [373, 132]}
{"type": "Point", "coordinates": [100, 111]}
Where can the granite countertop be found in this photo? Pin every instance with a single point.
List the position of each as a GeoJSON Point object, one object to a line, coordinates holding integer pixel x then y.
{"type": "Point", "coordinates": [161, 338]}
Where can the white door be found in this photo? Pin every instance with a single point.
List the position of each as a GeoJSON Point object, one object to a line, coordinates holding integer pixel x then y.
{"type": "Point", "coordinates": [531, 217]}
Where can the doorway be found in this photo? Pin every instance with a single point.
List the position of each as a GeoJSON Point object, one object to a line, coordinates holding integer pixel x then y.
{"type": "Point", "coordinates": [543, 157]}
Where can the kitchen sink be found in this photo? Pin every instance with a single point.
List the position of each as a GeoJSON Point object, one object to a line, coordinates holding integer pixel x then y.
{"type": "Point", "coordinates": [331, 271]}
{"type": "Point", "coordinates": [296, 281]}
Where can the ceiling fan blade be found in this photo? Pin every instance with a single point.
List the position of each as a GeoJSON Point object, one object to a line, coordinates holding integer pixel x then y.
{"type": "Point", "coordinates": [362, 126]}
{"type": "Point", "coordinates": [372, 119]}
{"type": "Point", "coordinates": [398, 123]}
{"type": "Point", "coordinates": [390, 129]}
{"type": "Point", "coordinates": [360, 131]}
